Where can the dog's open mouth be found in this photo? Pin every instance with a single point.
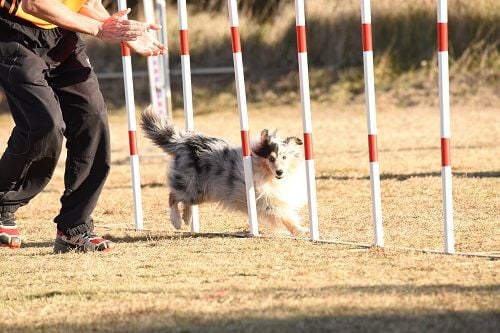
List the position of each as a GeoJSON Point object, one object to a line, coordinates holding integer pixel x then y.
{"type": "Point", "coordinates": [279, 177]}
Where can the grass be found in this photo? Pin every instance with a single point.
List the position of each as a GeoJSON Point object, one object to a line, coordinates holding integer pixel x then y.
{"type": "Point", "coordinates": [159, 280]}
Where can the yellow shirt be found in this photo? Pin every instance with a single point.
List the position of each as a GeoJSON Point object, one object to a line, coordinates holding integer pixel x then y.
{"type": "Point", "coordinates": [13, 7]}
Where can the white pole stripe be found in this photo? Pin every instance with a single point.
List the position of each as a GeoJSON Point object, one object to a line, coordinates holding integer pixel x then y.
{"type": "Point", "coordinates": [370, 92]}
{"type": "Point", "coordinates": [444, 94]}
{"type": "Point", "coordinates": [183, 22]}
{"type": "Point", "coordinates": [304, 93]}
{"type": "Point", "coordinates": [449, 238]}
{"type": "Point", "coordinates": [313, 204]}
{"type": "Point", "coordinates": [300, 13]}
{"type": "Point", "coordinates": [442, 11]}
{"type": "Point", "coordinates": [378, 230]}
{"type": "Point", "coordinates": [366, 12]}
{"type": "Point", "coordinates": [187, 92]}
{"type": "Point", "coordinates": [233, 13]}
{"type": "Point", "coordinates": [240, 90]}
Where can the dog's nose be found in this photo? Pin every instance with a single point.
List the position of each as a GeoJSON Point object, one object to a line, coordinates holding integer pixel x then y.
{"type": "Point", "coordinates": [279, 172]}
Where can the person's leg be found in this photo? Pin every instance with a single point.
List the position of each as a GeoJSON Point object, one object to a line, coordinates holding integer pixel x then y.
{"type": "Point", "coordinates": [35, 143]}
{"type": "Point", "coordinates": [88, 146]}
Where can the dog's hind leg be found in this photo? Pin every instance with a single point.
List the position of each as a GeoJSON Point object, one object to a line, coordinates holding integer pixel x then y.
{"type": "Point", "coordinates": [187, 214]}
{"type": "Point", "coordinates": [175, 215]}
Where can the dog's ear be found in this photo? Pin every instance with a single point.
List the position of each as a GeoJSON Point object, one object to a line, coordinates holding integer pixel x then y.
{"type": "Point", "coordinates": [264, 136]}
{"type": "Point", "coordinates": [293, 139]}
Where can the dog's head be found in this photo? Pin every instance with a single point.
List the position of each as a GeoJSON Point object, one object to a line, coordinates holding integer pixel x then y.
{"type": "Point", "coordinates": [279, 155]}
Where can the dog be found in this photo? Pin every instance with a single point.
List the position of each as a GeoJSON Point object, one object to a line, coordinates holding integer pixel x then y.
{"type": "Point", "coordinates": [209, 169]}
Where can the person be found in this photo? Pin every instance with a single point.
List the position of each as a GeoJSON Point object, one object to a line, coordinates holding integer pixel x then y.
{"type": "Point", "coordinates": [52, 93]}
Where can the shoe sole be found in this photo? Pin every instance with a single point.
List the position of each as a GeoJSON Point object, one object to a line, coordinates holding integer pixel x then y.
{"type": "Point", "coordinates": [12, 242]}
{"type": "Point", "coordinates": [61, 246]}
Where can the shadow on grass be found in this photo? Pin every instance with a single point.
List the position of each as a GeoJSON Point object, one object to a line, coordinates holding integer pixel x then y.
{"type": "Point", "coordinates": [144, 236]}
{"type": "Point", "coordinates": [402, 177]}
{"type": "Point", "coordinates": [446, 321]}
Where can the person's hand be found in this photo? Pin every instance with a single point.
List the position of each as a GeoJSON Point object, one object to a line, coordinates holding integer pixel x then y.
{"type": "Point", "coordinates": [117, 28]}
{"type": "Point", "coordinates": [146, 45]}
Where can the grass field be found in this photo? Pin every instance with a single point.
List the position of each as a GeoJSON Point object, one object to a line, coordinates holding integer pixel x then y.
{"type": "Point", "coordinates": [160, 280]}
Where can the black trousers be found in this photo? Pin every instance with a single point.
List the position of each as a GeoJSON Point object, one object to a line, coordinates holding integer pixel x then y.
{"type": "Point", "coordinates": [52, 92]}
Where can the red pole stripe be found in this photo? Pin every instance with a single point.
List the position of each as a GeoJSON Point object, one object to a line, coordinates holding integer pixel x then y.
{"type": "Point", "coordinates": [372, 147]}
{"type": "Point", "coordinates": [308, 146]}
{"type": "Point", "coordinates": [366, 32]}
{"type": "Point", "coordinates": [132, 142]}
{"type": "Point", "coordinates": [245, 143]}
{"type": "Point", "coordinates": [125, 50]}
{"type": "Point", "coordinates": [301, 39]}
{"type": "Point", "coordinates": [445, 152]}
{"type": "Point", "coordinates": [442, 32]}
{"type": "Point", "coordinates": [235, 37]}
{"type": "Point", "coordinates": [184, 42]}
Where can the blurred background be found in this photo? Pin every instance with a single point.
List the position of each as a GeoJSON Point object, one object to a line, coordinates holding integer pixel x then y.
{"type": "Point", "coordinates": [404, 37]}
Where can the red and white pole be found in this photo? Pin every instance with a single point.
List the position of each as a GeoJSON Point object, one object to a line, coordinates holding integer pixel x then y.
{"type": "Point", "coordinates": [306, 116]}
{"type": "Point", "coordinates": [155, 71]}
{"type": "Point", "coordinates": [165, 63]}
{"type": "Point", "coordinates": [444, 104]}
{"type": "Point", "coordinates": [371, 115]}
{"type": "Point", "coordinates": [186, 87]}
{"type": "Point", "coordinates": [132, 129]}
{"type": "Point", "coordinates": [242, 107]}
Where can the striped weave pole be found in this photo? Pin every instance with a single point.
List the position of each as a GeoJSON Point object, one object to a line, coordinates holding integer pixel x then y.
{"type": "Point", "coordinates": [162, 9]}
{"type": "Point", "coordinates": [306, 116]}
{"type": "Point", "coordinates": [156, 85]}
{"type": "Point", "coordinates": [186, 87]}
{"type": "Point", "coordinates": [132, 129]}
{"type": "Point", "coordinates": [444, 105]}
{"type": "Point", "coordinates": [371, 115]}
{"type": "Point", "coordinates": [242, 107]}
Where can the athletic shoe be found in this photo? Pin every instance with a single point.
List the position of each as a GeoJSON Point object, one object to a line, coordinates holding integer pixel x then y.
{"type": "Point", "coordinates": [86, 242]}
{"type": "Point", "coordinates": [9, 234]}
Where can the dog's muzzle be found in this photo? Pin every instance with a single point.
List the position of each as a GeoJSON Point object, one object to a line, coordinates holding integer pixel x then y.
{"type": "Point", "coordinates": [279, 173]}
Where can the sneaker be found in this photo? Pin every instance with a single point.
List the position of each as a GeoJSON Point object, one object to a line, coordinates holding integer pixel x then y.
{"type": "Point", "coordinates": [86, 242]}
{"type": "Point", "coordinates": [9, 234]}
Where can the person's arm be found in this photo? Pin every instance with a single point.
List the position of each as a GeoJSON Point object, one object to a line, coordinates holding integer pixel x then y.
{"type": "Point", "coordinates": [146, 44]}
{"type": "Point", "coordinates": [95, 10]}
{"type": "Point", "coordinates": [92, 21]}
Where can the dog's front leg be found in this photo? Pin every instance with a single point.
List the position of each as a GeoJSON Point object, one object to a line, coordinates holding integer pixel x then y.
{"type": "Point", "coordinates": [292, 222]}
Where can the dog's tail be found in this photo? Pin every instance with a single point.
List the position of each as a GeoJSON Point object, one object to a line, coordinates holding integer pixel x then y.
{"type": "Point", "coordinates": [159, 130]}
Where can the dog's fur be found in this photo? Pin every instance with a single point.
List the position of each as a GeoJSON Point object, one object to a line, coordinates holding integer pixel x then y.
{"type": "Point", "coordinates": [208, 169]}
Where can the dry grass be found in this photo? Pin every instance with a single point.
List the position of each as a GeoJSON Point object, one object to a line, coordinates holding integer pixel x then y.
{"type": "Point", "coordinates": [159, 280]}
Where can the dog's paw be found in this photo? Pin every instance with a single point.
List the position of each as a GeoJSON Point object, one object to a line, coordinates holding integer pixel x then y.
{"type": "Point", "coordinates": [177, 224]}
{"type": "Point", "coordinates": [299, 230]}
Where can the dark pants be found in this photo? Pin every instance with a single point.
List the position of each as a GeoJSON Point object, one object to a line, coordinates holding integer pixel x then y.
{"type": "Point", "coordinates": [52, 93]}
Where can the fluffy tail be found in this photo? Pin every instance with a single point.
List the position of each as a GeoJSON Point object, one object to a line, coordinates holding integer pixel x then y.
{"type": "Point", "coordinates": [159, 130]}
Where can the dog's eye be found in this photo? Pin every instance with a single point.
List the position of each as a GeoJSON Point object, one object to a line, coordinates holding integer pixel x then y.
{"type": "Point", "coordinates": [272, 159]}
{"type": "Point", "coordinates": [283, 157]}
